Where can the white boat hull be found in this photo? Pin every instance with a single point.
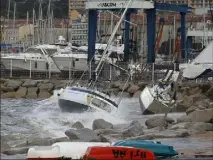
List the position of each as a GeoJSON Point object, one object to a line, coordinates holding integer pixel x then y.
{"type": "Point", "coordinates": [150, 105]}
{"type": "Point", "coordinates": [21, 64]}
{"type": "Point", "coordinates": [66, 63]}
{"type": "Point", "coordinates": [60, 150]}
{"type": "Point", "coordinates": [74, 99]}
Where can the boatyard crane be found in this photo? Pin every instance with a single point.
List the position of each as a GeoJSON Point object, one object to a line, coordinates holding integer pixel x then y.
{"type": "Point", "coordinates": [150, 7]}
{"type": "Point", "coordinates": [159, 33]}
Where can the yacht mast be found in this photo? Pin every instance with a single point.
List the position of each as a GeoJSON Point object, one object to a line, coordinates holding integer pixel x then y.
{"type": "Point", "coordinates": [8, 13]}
{"type": "Point", "coordinates": [26, 35]}
{"type": "Point", "coordinates": [33, 40]}
{"type": "Point", "coordinates": [14, 18]}
{"type": "Point", "coordinates": [204, 23]}
{"type": "Point", "coordinates": [112, 37]}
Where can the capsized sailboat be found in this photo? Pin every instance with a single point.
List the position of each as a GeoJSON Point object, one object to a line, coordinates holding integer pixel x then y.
{"type": "Point", "coordinates": [80, 99]}
{"type": "Point", "coordinates": [160, 97]}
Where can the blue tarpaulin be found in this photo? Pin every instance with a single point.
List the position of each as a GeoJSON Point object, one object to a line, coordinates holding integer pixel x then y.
{"type": "Point", "coordinates": [5, 45]}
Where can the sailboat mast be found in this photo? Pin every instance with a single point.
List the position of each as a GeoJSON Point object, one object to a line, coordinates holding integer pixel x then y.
{"type": "Point", "coordinates": [8, 13]}
{"type": "Point", "coordinates": [113, 35]}
{"type": "Point", "coordinates": [33, 40]}
{"type": "Point", "coordinates": [14, 17]}
{"type": "Point", "coordinates": [204, 23]}
{"type": "Point", "coordinates": [26, 36]}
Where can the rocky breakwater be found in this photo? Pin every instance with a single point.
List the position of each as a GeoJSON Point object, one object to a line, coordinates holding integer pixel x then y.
{"type": "Point", "coordinates": [30, 89]}
{"type": "Point", "coordinates": [190, 96]}
{"type": "Point", "coordinates": [155, 127]}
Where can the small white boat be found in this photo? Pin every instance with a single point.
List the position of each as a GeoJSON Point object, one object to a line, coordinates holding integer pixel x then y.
{"type": "Point", "coordinates": [80, 99]}
{"type": "Point", "coordinates": [60, 150]}
{"type": "Point", "coordinates": [156, 99]}
{"type": "Point", "coordinates": [44, 152]}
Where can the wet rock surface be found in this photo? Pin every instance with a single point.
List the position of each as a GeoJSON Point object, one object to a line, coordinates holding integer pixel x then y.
{"type": "Point", "coordinates": [101, 124]}
{"type": "Point", "coordinates": [82, 135]}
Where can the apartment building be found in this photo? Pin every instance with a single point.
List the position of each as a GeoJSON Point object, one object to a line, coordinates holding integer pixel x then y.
{"type": "Point", "coordinates": [78, 21]}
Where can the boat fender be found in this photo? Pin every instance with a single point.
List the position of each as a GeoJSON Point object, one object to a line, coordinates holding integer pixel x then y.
{"type": "Point", "coordinates": [58, 94]}
{"type": "Point", "coordinates": [25, 59]}
{"type": "Point", "coordinates": [47, 66]}
{"type": "Point", "coordinates": [36, 65]}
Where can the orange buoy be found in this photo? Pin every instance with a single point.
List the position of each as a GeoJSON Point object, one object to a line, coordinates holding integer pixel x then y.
{"type": "Point", "coordinates": [118, 153]}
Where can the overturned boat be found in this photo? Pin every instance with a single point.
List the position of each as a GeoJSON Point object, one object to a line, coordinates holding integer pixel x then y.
{"type": "Point", "coordinates": [80, 99]}
{"type": "Point", "coordinates": [160, 97]}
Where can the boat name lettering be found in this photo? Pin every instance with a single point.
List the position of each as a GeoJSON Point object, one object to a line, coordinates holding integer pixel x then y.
{"type": "Point", "coordinates": [121, 154]}
{"type": "Point", "coordinates": [107, 5]}
{"type": "Point", "coordinates": [138, 153]}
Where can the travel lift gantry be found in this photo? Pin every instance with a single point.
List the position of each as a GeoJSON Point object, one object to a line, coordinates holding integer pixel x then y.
{"type": "Point", "coordinates": [149, 7]}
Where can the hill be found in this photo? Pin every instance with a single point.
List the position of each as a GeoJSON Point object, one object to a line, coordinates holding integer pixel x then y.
{"type": "Point", "coordinates": [60, 8]}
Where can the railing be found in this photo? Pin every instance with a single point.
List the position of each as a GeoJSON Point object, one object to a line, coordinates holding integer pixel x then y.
{"type": "Point", "coordinates": [139, 72]}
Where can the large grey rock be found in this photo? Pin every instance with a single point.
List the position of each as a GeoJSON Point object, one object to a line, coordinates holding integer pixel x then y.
{"type": "Point", "coordinates": [205, 115]}
{"type": "Point", "coordinates": [30, 83]}
{"type": "Point", "coordinates": [6, 89]}
{"type": "Point", "coordinates": [107, 131]}
{"type": "Point", "coordinates": [15, 84]}
{"type": "Point", "coordinates": [134, 129]}
{"type": "Point", "coordinates": [158, 121]}
{"type": "Point", "coordinates": [82, 135]}
{"type": "Point", "coordinates": [193, 127]}
{"type": "Point", "coordinates": [136, 94]}
{"type": "Point", "coordinates": [32, 93]}
{"type": "Point", "coordinates": [184, 118]}
{"type": "Point", "coordinates": [124, 86]}
{"type": "Point", "coordinates": [62, 84]}
{"type": "Point", "coordinates": [78, 125]}
{"type": "Point", "coordinates": [209, 93]}
{"type": "Point", "coordinates": [48, 86]}
{"type": "Point", "coordinates": [14, 151]}
{"type": "Point", "coordinates": [37, 141]}
{"type": "Point", "coordinates": [44, 95]}
{"type": "Point", "coordinates": [21, 93]}
{"type": "Point", "coordinates": [7, 95]}
{"type": "Point", "coordinates": [101, 124]}
{"type": "Point", "coordinates": [163, 134]}
{"type": "Point", "coordinates": [133, 88]}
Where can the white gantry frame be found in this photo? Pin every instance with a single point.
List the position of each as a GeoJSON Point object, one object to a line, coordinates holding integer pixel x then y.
{"type": "Point", "coordinates": [118, 4]}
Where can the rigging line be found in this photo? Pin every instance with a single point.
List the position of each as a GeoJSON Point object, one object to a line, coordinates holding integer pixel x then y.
{"type": "Point", "coordinates": [123, 20]}
{"type": "Point", "coordinates": [109, 42]}
{"type": "Point", "coordinates": [94, 54]}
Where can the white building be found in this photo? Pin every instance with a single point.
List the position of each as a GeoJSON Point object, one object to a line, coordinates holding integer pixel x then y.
{"type": "Point", "coordinates": [11, 35]}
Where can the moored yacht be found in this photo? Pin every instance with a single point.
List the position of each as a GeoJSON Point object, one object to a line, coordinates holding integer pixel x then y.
{"type": "Point", "coordinates": [35, 58]}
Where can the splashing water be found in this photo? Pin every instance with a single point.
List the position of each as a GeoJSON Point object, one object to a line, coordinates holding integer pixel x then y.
{"type": "Point", "coordinates": [32, 116]}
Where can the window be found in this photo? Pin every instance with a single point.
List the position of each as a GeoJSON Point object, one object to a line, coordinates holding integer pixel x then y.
{"type": "Point", "coordinates": [51, 51]}
{"type": "Point", "coordinates": [100, 104]}
{"type": "Point", "coordinates": [33, 50]}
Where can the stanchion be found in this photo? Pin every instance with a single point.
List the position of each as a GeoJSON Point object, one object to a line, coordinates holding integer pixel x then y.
{"type": "Point", "coordinates": [50, 70]}
{"type": "Point", "coordinates": [11, 68]}
{"type": "Point", "coordinates": [30, 68]}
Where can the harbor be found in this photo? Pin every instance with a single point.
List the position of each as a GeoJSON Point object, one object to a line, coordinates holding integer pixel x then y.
{"type": "Point", "coordinates": [123, 80]}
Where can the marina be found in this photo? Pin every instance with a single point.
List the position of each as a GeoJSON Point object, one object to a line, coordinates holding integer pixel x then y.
{"type": "Point", "coordinates": [122, 79]}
